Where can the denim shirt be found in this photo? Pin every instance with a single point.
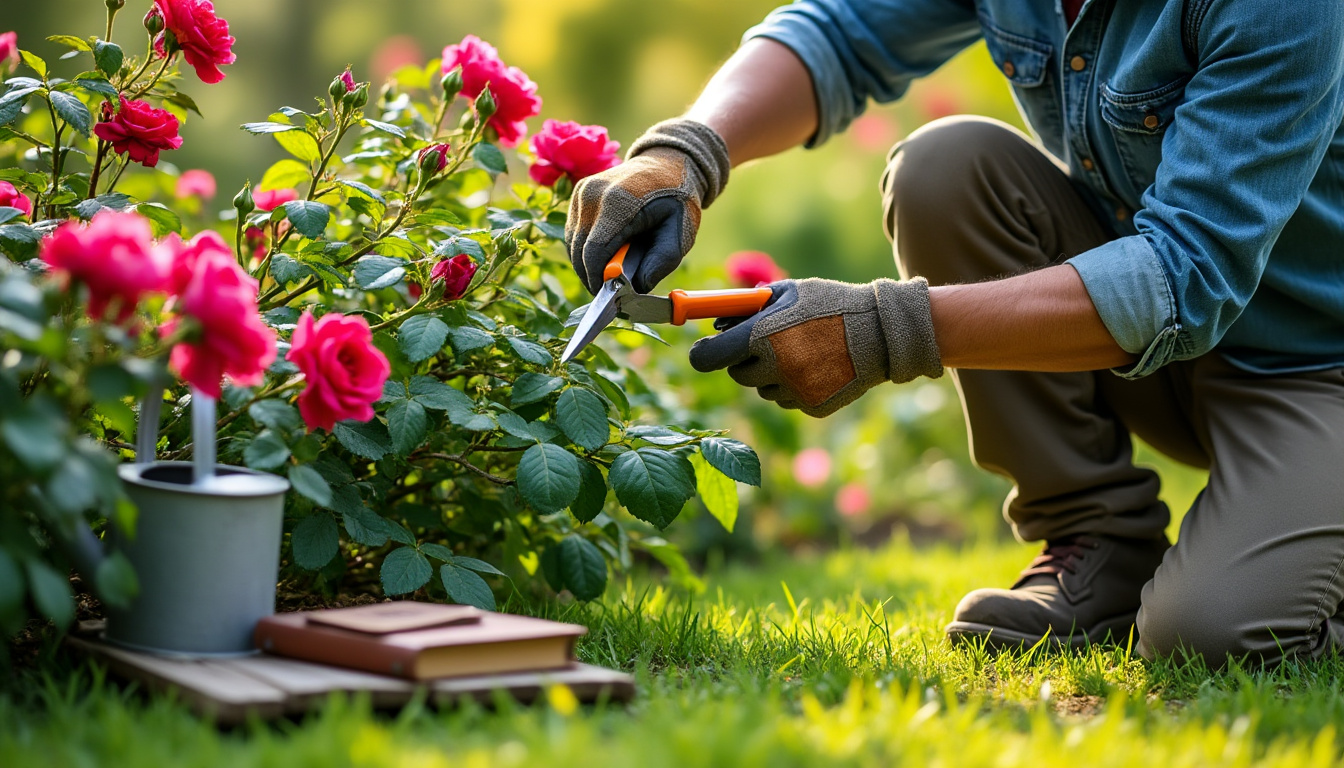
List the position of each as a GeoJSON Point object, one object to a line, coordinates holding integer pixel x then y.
{"type": "Point", "coordinates": [1206, 133]}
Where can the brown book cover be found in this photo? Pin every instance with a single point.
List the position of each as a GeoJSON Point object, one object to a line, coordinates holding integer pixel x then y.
{"type": "Point", "coordinates": [494, 643]}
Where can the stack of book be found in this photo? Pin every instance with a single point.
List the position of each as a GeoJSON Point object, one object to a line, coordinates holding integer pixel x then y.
{"type": "Point", "coordinates": [421, 641]}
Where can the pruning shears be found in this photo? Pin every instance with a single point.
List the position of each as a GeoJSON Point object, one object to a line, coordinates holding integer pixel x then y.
{"type": "Point", "coordinates": [618, 298]}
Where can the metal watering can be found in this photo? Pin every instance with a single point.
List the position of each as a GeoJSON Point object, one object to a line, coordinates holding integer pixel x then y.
{"type": "Point", "coordinates": [206, 549]}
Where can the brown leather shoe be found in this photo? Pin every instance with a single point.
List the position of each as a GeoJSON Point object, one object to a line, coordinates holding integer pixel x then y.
{"type": "Point", "coordinates": [1081, 590]}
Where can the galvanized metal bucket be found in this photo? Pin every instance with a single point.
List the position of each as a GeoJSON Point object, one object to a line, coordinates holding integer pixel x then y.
{"type": "Point", "coordinates": [207, 556]}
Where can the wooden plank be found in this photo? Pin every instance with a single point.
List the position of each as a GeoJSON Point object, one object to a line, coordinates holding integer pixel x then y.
{"type": "Point", "coordinates": [208, 688]}
{"type": "Point", "coordinates": [588, 683]}
{"type": "Point", "coordinates": [306, 684]}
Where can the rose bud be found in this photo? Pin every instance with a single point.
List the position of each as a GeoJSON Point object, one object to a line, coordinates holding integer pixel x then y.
{"type": "Point", "coordinates": [115, 5]}
{"type": "Point", "coordinates": [506, 245]}
{"type": "Point", "coordinates": [243, 202]}
{"type": "Point", "coordinates": [451, 82]}
{"type": "Point", "coordinates": [341, 85]}
{"type": "Point", "coordinates": [153, 21]}
{"type": "Point", "coordinates": [356, 98]}
{"type": "Point", "coordinates": [432, 159]}
{"type": "Point", "coordinates": [455, 274]}
{"type": "Point", "coordinates": [485, 104]}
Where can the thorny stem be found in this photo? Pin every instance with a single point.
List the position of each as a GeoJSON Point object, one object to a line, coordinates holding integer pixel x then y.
{"type": "Point", "coordinates": [55, 157]}
{"type": "Point", "coordinates": [153, 80]}
{"type": "Point", "coordinates": [472, 468]}
{"type": "Point", "coordinates": [97, 164]}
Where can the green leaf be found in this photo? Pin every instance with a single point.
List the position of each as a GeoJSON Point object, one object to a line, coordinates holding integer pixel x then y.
{"type": "Point", "coordinates": [408, 423]}
{"type": "Point", "coordinates": [163, 220]}
{"type": "Point", "coordinates": [480, 566]}
{"type": "Point", "coordinates": [490, 158]}
{"type": "Point", "coordinates": [108, 57]}
{"type": "Point", "coordinates": [659, 435]}
{"type": "Point", "coordinates": [717, 491]}
{"type": "Point", "coordinates": [465, 338]}
{"type": "Point", "coordinates": [308, 217]}
{"type": "Point", "coordinates": [276, 414]}
{"type": "Point", "coordinates": [11, 104]}
{"type": "Point", "coordinates": [286, 270]}
{"type": "Point", "coordinates": [373, 272]}
{"type": "Point", "coordinates": [734, 459]}
{"type": "Point", "coordinates": [404, 570]}
{"type": "Point", "coordinates": [266, 451]}
{"type": "Point", "coordinates": [432, 393]}
{"type": "Point", "coordinates": [438, 217]}
{"type": "Point", "coordinates": [398, 533]}
{"type": "Point", "coordinates": [51, 592]}
{"type": "Point", "coordinates": [285, 174]}
{"type": "Point", "coordinates": [583, 418]}
{"type": "Point", "coordinates": [97, 86]}
{"type": "Point", "coordinates": [36, 435]}
{"type": "Point", "coordinates": [35, 62]}
{"type": "Point", "coordinates": [582, 568]}
{"type": "Point", "coordinates": [592, 493]}
{"type": "Point", "coordinates": [531, 387]}
{"type": "Point", "coordinates": [379, 125]}
{"type": "Point", "coordinates": [514, 424]}
{"type": "Point", "coordinates": [653, 484]}
{"type": "Point", "coordinates": [365, 191]}
{"type": "Point", "coordinates": [548, 477]}
{"type": "Point", "coordinates": [365, 526]}
{"type": "Point", "coordinates": [7, 213]}
{"type": "Point", "coordinates": [421, 337]}
{"type": "Point", "coordinates": [472, 421]}
{"type": "Point", "coordinates": [299, 144]}
{"type": "Point", "coordinates": [269, 127]}
{"type": "Point", "coordinates": [530, 351]}
{"type": "Point", "coordinates": [465, 587]}
{"type": "Point", "coordinates": [314, 541]}
{"type": "Point", "coordinates": [70, 41]}
{"type": "Point", "coordinates": [116, 581]}
{"type": "Point", "coordinates": [72, 111]}
{"type": "Point", "coordinates": [310, 483]}
{"type": "Point", "coordinates": [367, 439]}
{"type": "Point", "coordinates": [437, 551]}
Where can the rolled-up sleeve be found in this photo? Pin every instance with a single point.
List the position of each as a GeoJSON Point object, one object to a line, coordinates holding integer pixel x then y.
{"type": "Point", "coordinates": [858, 50]}
{"type": "Point", "coordinates": [1258, 116]}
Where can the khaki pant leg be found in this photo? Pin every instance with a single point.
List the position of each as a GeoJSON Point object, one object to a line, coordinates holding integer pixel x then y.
{"type": "Point", "coordinates": [1257, 570]}
{"type": "Point", "coordinates": [969, 199]}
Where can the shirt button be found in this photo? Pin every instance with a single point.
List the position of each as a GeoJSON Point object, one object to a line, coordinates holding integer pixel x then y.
{"type": "Point", "coordinates": [1009, 69]}
{"type": "Point", "coordinates": [1077, 64]}
{"type": "Point", "coordinates": [1151, 122]}
{"type": "Point", "coordinates": [1087, 164]}
{"type": "Point", "coordinates": [1121, 213]}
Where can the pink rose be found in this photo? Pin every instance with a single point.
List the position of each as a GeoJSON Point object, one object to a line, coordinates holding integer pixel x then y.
{"type": "Point", "coordinates": [515, 94]}
{"type": "Point", "coordinates": [439, 151]}
{"type": "Point", "coordinates": [812, 467]}
{"type": "Point", "coordinates": [186, 254]}
{"type": "Point", "coordinates": [344, 371]}
{"type": "Point", "coordinates": [222, 299]}
{"type": "Point", "coordinates": [749, 269]}
{"type": "Point", "coordinates": [852, 499]}
{"type": "Point", "coordinates": [141, 130]}
{"type": "Point", "coordinates": [202, 36]}
{"type": "Point", "coordinates": [573, 150]}
{"type": "Point", "coordinates": [11, 197]}
{"type": "Point", "coordinates": [9, 51]}
{"type": "Point", "coordinates": [270, 199]}
{"type": "Point", "coordinates": [196, 183]}
{"type": "Point", "coordinates": [115, 256]}
{"type": "Point", "coordinates": [348, 80]}
{"type": "Point", "coordinates": [456, 274]}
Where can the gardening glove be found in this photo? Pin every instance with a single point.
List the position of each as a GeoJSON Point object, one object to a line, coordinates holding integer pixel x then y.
{"type": "Point", "coordinates": [652, 201]}
{"type": "Point", "coordinates": [819, 344]}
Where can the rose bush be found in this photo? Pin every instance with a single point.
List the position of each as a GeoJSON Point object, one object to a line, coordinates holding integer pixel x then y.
{"type": "Point", "coordinates": [382, 325]}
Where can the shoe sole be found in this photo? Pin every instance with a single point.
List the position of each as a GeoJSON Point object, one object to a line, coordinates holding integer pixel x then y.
{"type": "Point", "coordinates": [1114, 630]}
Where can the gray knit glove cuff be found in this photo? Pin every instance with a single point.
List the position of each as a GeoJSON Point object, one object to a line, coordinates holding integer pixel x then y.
{"type": "Point", "coordinates": [907, 329]}
{"type": "Point", "coordinates": [705, 147]}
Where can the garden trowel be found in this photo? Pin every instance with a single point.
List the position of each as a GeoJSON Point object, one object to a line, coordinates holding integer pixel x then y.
{"type": "Point", "coordinates": [618, 298]}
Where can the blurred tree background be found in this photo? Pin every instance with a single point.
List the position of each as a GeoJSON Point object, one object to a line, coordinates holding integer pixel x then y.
{"type": "Point", "coordinates": [897, 461]}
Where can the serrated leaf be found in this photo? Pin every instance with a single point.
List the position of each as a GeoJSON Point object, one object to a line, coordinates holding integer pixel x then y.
{"type": "Point", "coordinates": [421, 337]}
{"type": "Point", "coordinates": [308, 217]}
{"type": "Point", "coordinates": [11, 104]}
{"type": "Point", "coordinates": [531, 387]}
{"type": "Point", "coordinates": [433, 393]}
{"type": "Point", "coordinates": [72, 111]}
{"type": "Point", "coordinates": [269, 127]}
{"type": "Point", "coordinates": [108, 57]}
{"type": "Point", "coordinates": [364, 190]}
{"type": "Point", "coordinates": [286, 270]}
{"type": "Point", "coordinates": [34, 62]}
{"type": "Point", "coordinates": [266, 451]}
{"type": "Point", "coordinates": [369, 440]}
{"type": "Point", "coordinates": [373, 272]}
{"type": "Point", "coordinates": [379, 125]}
{"type": "Point", "coordinates": [472, 421]}
{"type": "Point", "coordinates": [514, 424]}
{"type": "Point", "coordinates": [19, 241]}
{"type": "Point", "coordinates": [592, 493]}
{"type": "Point", "coordinates": [734, 459]}
{"type": "Point", "coordinates": [653, 484]}
{"type": "Point", "coordinates": [490, 158]}
{"type": "Point", "coordinates": [70, 41]}
{"type": "Point", "coordinates": [531, 351]}
{"type": "Point", "coordinates": [717, 491]}
{"type": "Point", "coordinates": [398, 533]}
{"type": "Point", "coordinates": [583, 418]}
{"type": "Point", "coordinates": [455, 246]}
{"type": "Point", "coordinates": [437, 551]}
{"type": "Point", "coordinates": [659, 435]}
{"type": "Point", "coordinates": [51, 592]}
{"type": "Point", "coordinates": [548, 477]}
{"type": "Point", "coordinates": [480, 566]}
{"type": "Point", "coordinates": [285, 174]}
{"type": "Point", "coordinates": [408, 423]}
{"type": "Point", "coordinates": [8, 213]}
{"type": "Point", "coordinates": [438, 217]}
{"type": "Point", "coordinates": [96, 86]}
{"type": "Point", "coordinates": [163, 220]}
{"type": "Point", "coordinates": [310, 483]}
{"type": "Point", "coordinates": [582, 567]}
{"type": "Point", "coordinates": [466, 587]}
{"type": "Point", "coordinates": [300, 144]}
{"type": "Point", "coordinates": [465, 338]}
{"type": "Point", "coordinates": [314, 541]}
{"type": "Point", "coordinates": [364, 526]}
{"type": "Point", "coordinates": [404, 570]}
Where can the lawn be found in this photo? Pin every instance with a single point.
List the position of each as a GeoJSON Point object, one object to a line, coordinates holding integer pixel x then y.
{"type": "Point", "coordinates": [833, 659]}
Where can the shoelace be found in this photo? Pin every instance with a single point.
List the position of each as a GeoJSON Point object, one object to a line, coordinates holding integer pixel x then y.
{"type": "Point", "coordinates": [1061, 555]}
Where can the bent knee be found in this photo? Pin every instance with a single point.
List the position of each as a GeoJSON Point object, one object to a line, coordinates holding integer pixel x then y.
{"type": "Point", "coordinates": [1183, 623]}
{"type": "Point", "coordinates": [933, 164]}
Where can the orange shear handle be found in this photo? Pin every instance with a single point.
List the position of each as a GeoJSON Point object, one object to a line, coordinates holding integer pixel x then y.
{"type": "Point", "coordinates": [737, 302]}
{"type": "Point", "coordinates": [616, 267]}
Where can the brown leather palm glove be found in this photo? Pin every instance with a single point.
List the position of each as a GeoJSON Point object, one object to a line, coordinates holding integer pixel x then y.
{"type": "Point", "coordinates": [820, 344]}
{"type": "Point", "coordinates": [651, 201]}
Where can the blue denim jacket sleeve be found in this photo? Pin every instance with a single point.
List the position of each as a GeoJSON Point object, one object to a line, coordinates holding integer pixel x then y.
{"type": "Point", "coordinates": [1258, 116]}
{"type": "Point", "coordinates": [858, 50]}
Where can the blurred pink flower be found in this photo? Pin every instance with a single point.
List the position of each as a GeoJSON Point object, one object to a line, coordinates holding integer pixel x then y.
{"type": "Point", "coordinates": [115, 256]}
{"type": "Point", "coordinates": [874, 131]}
{"type": "Point", "coordinates": [270, 199]}
{"type": "Point", "coordinates": [11, 197]}
{"type": "Point", "coordinates": [812, 467]}
{"type": "Point", "coordinates": [393, 54]}
{"type": "Point", "coordinates": [853, 499]}
{"type": "Point", "coordinates": [749, 269]}
{"type": "Point", "coordinates": [9, 52]}
{"type": "Point", "coordinates": [196, 183]}
{"type": "Point", "coordinates": [937, 103]}
{"type": "Point", "coordinates": [573, 150]}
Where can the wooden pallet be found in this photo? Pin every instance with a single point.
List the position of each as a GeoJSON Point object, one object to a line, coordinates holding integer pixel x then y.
{"type": "Point", "coordinates": [264, 686]}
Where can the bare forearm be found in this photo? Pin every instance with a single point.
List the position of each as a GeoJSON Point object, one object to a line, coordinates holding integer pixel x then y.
{"type": "Point", "coordinates": [1040, 321]}
{"type": "Point", "coordinates": [761, 101]}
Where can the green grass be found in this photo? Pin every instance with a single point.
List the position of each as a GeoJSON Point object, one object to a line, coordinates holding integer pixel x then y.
{"type": "Point", "coordinates": [846, 665]}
